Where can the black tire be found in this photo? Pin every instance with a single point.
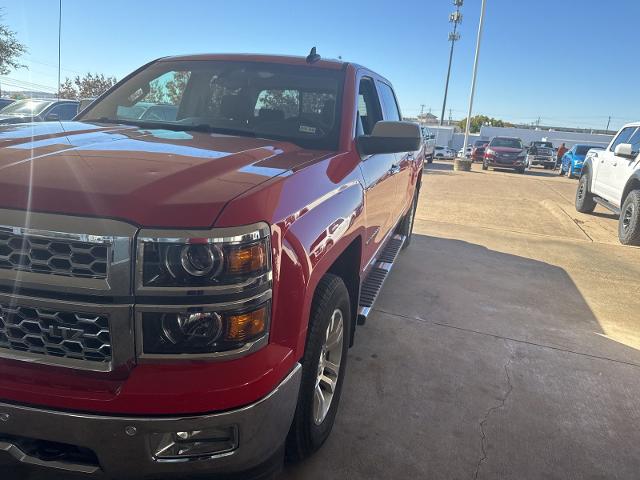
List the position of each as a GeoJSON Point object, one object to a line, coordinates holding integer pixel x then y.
{"type": "Point", "coordinates": [520, 170]}
{"type": "Point", "coordinates": [430, 159]}
{"type": "Point", "coordinates": [305, 436]}
{"type": "Point", "coordinates": [629, 223]}
{"type": "Point", "coordinates": [485, 165]}
{"type": "Point", "coordinates": [406, 226]}
{"type": "Point", "coordinates": [584, 198]}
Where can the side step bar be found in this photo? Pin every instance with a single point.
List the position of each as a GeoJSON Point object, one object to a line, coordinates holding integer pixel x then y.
{"type": "Point", "coordinates": [375, 279]}
{"type": "Point", "coordinates": [607, 204]}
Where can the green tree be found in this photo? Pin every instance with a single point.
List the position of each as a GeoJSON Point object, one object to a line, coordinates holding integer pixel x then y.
{"type": "Point", "coordinates": [10, 49]}
{"type": "Point", "coordinates": [479, 120]}
{"type": "Point", "coordinates": [89, 86]}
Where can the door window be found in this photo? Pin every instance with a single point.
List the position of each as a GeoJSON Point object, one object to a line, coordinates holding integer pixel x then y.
{"type": "Point", "coordinates": [623, 137]}
{"type": "Point", "coordinates": [65, 111]}
{"type": "Point", "coordinates": [634, 140]}
{"type": "Point", "coordinates": [369, 112]}
{"type": "Point", "coordinates": [389, 104]}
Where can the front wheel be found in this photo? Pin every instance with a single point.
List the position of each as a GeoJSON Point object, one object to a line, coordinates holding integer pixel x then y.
{"type": "Point", "coordinates": [629, 223]}
{"type": "Point", "coordinates": [485, 165]}
{"type": "Point", "coordinates": [323, 367]}
{"type": "Point", "coordinates": [584, 198]}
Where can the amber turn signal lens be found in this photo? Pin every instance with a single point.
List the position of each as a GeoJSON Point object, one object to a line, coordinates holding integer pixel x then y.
{"type": "Point", "coordinates": [245, 326]}
{"type": "Point", "coordinates": [244, 260]}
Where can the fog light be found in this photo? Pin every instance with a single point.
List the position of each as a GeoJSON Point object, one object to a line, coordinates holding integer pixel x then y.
{"type": "Point", "coordinates": [194, 444]}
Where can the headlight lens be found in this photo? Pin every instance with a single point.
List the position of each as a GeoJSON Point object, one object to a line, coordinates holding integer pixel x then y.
{"type": "Point", "coordinates": [203, 332]}
{"type": "Point", "coordinates": [199, 263]}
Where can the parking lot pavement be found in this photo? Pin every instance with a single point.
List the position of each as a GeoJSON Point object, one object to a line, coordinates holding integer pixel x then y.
{"type": "Point", "coordinates": [505, 344]}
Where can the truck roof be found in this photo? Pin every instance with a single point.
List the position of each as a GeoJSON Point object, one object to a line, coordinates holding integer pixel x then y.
{"type": "Point", "coordinates": [252, 57]}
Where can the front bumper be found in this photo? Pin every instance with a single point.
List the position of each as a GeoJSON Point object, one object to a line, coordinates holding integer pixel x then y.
{"type": "Point", "coordinates": [123, 447]}
{"type": "Point", "coordinates": [496, 163]}
{"type": "Point", "coordinates": [541, 160]}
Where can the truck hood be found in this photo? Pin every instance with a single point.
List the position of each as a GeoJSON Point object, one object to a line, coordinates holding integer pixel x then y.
{"type": "Point", "coordinates": [160, 178]}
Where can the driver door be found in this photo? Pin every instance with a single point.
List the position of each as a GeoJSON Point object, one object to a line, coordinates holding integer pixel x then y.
{"type": "Point", "coordinates": [606, 172]}
{"type": "Point", "coordinates": [378, 172]}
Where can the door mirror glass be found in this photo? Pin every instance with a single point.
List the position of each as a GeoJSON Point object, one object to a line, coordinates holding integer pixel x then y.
{"type": "Point", "coordinates": [390, 137]}
{"type": "Point", "coordinates": [625, 150]}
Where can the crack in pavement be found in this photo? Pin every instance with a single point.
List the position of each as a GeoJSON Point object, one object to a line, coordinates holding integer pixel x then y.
{"type": "Point", "coordinates": [484, 420]}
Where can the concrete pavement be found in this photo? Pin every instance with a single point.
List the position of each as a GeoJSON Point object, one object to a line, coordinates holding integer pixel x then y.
{"type": "Point", "coordinates": [505, 344]}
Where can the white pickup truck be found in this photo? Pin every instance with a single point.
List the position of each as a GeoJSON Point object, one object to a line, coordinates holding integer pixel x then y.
{"type": "Point", "coordinates": [611, 177]}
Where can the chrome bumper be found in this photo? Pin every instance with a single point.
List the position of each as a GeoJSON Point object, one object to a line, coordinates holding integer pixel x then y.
{"type": "Point", "coordinates": [123, 446]}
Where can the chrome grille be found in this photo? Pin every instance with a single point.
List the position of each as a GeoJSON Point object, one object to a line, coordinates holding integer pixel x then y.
{"type": "Point", "coordinates": [56, 256]}
{"type": "Point", "coordinates": [79, 336]}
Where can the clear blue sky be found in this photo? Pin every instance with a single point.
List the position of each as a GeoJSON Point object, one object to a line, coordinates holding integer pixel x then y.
{"type": "Point", "coordinates": [568, 62]}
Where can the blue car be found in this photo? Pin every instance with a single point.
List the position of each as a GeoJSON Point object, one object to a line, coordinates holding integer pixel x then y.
{"type": "Point", "coordinates": [573, 159]}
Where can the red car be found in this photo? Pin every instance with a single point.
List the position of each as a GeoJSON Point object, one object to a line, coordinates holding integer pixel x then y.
{"type": "Point", "coordinates": [477, 152]}
{"type": "Point", "coordinates": [505, 152]}
{"type": "Point", "coordinates": [178, 294]}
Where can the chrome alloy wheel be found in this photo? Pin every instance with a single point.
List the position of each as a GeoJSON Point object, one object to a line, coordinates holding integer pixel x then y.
{"type": "Point", "coordinates": [627, 217]}
{"type": "Point", "coordinates": [328, 367]}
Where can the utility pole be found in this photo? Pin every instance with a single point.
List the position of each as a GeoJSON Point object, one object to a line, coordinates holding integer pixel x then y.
{"type": "Point", "coordinates": [456, 19]}
{"type": "Point", "coordinates": [422, 112]}
{"type": "Point", "coordinates": [59, 42]}
{"type": "Point", "coordinates": [608, 122]}
{"type": "Point", "coordinates": [450, 117]}
{"type": "Point", "coordinates": [475, 74]}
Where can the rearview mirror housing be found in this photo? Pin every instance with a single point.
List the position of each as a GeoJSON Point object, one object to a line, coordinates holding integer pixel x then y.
{"type": "Point", "coordinates": [625, 150]}
{"type": "Point", "coordinates": [390, 137]}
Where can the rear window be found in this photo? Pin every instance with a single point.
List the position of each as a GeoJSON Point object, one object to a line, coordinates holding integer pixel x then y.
{"type": "Point", "coordinates": [583, 149]}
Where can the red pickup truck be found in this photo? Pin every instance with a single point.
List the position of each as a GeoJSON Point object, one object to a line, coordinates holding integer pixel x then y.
{"type": "Point", "coordinates": [183, 266]}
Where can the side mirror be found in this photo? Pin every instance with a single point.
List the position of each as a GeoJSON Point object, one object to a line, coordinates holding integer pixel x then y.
{"type": "Point", "coordinates": [625, 150]}
{"type": "Point", "coordinates": [390, 137]}
{"type": "Point", "coordinates": [52, 117]}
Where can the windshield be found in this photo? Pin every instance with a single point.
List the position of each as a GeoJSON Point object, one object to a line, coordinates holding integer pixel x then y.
{"type": "Point", "coordinates": [26, 107]}
{"type": "Point", "coordinates": [583, 149]}
{"type": "Point", "coordinates": [543, 144]}
{"type": "Point", "coordinates": [282, 102]}
{"type": "Point", "coordinates": [506, 142]}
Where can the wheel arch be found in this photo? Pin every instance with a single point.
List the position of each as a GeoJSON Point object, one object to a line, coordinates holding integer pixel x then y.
{"type": "Point", "coordinates": [632, 184]}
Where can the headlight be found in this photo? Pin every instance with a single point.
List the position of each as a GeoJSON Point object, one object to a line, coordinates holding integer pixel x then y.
{"type": "Point", "coordinates": [201, 259]}
{"type": "Point", "coordinates": [490, 152]}
{"type": "Point", "coordinates": [203, 294]}
{"type": "Point", "coordinates": [203, 331]}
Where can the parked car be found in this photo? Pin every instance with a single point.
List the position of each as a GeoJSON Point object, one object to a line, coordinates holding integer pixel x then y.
{"type": "Point", "coordinates": [477, 150]}
{"type": "Point", "coordinates": [37, 110]}
{"type": "Point", "coordinates": [541, 153]}
{"type": "Point", "coordinates": [611, 178]}
{"type": "Point", "coordinates": [573, 160]}
{"type": "Point", "coordinates": [505, 152]}
{"type": "Point", "coordinates": [84, 103]}
{"type": "Point", "coordinates": [444, 152]}
{"type": "Point", "coordinates": [429, 143]}
{"type": "Point", "coordinates": [5, 101]}
{"type": "Point", "coordinates": [181, 295]}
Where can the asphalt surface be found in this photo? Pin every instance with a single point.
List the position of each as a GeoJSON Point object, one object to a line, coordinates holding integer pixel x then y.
{"type": "Point", "coordinates": [505, 344]}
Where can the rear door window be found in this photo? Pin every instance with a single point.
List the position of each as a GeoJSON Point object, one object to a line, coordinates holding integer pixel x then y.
{"type": "Point", "coordinates": [389, 103]}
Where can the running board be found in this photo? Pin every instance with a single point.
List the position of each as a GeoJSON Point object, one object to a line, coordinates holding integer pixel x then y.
{"type": "Point", "coordinates": [608, 205]}
{"type": "Point", "coordinates": [375, 279]}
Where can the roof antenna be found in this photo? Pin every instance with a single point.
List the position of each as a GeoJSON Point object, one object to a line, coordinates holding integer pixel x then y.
{"type": "Point", "coordinates": [313, 56]}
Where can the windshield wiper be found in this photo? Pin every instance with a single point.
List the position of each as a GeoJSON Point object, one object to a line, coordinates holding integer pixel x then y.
{"type": "Point", "coordinates": [202, 127]}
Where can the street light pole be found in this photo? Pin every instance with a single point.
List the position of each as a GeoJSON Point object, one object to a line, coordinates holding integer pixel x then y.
{"type": "Point", "coordinates": [473, 80]}
{"type": "Point", "coordinates": [59, 42]}
{"type": "Point", "coordinates": [455, 18]}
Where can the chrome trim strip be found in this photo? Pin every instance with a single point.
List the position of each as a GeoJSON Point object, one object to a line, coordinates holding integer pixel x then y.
{"type": "Point", "coordinates": [248, 348]}
{"type": "Point", "coordinates": [225, 235]}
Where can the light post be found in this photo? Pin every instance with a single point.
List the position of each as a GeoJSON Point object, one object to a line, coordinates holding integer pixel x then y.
{"type": "Point", "coordinates": [456, 19]}
{"type": "Point", "coordinates": [463, 163]}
